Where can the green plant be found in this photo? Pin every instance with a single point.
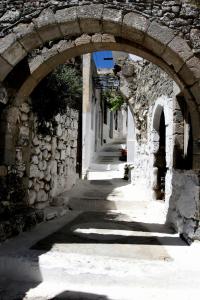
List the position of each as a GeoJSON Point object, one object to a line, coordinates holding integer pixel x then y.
{"type": "Point", "coordinates": [113, 99]}
{"type": "Point", "coordinates": [54, 94]}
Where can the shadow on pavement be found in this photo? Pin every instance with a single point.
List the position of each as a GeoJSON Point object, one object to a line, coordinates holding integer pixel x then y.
{"type": "Point", "coordinates": [71, 295]}
{"type": "Point", "coordinates": [101, 227]}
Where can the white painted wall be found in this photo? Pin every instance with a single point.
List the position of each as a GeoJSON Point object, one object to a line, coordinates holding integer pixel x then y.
{"type": "Point", "coordinates": [131, 138]}
{"type": "Point", "coordinates": [86, 114]}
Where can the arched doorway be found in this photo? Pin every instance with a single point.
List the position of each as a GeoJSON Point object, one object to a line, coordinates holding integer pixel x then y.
{"type": "Point", "coordinates": [160, 160]}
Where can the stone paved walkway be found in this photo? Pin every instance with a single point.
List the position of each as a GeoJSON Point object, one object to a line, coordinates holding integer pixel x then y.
{"type": "Point", "coordinates": [111, 244]}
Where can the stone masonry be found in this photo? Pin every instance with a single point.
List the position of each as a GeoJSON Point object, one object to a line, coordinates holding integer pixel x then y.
{"type": "Point", "coordinates": [180, 15]}
{"type": "Point", "coordinates": [150, 91]}
{"type": "Point", "coordinates": [45, 167]}
{"type": "Point", "coordinates": [53, 161]}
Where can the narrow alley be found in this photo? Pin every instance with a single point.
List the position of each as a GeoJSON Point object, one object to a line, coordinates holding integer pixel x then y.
{"type": "Point", "coordinates": [99, 150]}
{"type": "Point", "coordinates": [108, 245]}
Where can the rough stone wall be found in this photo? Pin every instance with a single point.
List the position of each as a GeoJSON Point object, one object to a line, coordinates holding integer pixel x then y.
{"type": "Point", "coordinates": [41, 169]}
{"type": "Point", "coordinates": [147, 88]}
{"type": "Point", "coordinates": [143, 83]}
{"type": "Point", "coordinates": [181, 15]}
{"type": "Point", "coordinates": [53, 160]}
{"type": "Point", "coordinates": [184, 205]}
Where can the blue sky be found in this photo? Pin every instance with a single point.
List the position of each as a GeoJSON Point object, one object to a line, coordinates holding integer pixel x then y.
{"type": "Point", "coordinates": [101, 62]}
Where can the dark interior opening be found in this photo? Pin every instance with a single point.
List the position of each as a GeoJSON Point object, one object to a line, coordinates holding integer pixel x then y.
{"type": "Point", "coordinates": [160, 160]}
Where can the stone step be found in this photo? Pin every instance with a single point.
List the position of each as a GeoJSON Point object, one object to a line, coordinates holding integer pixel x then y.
{"type": "Point", "coordinates": [110, 153]}
{"type": "Point", "coordinates": [104, 167]}
{"type": "Point", "coordinates": [73, 263]}
{"type": "Point", "coordinates": [98, 175]}
{"type": "Point", "coordinates": [98, 204]}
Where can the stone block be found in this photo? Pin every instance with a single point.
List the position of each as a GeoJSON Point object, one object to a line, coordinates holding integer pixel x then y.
{"type": "Point", "coordinates": [13, 115]}
{"type": "Point", "coordinates": [157, 37]}
{"type": "Point", "coordinates": [41, 205]}
{"type": "Point", "coordinates": [112, 21]}
{"type": "Point", "coordinates": [47, 26]}
{"type": "Point", "coordinates": [23, 139]}
{"type": "Point", "coordinates": [34, 171]}
{"type": "Point", "coordinates": [3, 95]}
{"type": "Point", "coordinates": [53, 145]}
{"type": "Point", "coordinates": [68, 21]}
{"type": "Point", "coordinates": [42, 196]}
{"type": "Point", "coordinates": [35, 141]}
{"type": "Point", "coordinates": [63, 155]}
{"type": "Point", "coordinates": [53, 167]}
{"type": "Point", "coordinates": [108, 38]}
{"type": "Point", "coordinates": [25, 108]}
{"type": "Point", "coordinates": [45, 154]}
{"type": "Point", "coordinates": [50, 213]}
{"type": "Point", "coordinates": [47, 187]}
{"type": "Point", "coordinates": [177, 53]}
{"type": "Point", "coordinates": [32, 197]}
{"type": "Point", "coordinates": [24, 117]}
{"type": "Point", "coordinates": [11, 50]}
{"type": "Point", "coordinates": [134, 26]}
{"type": "Point", "coordinates": [35, 160]}
{"type": "Point", "coordinates": [83, 39]}
{"type": "Point", "coordinates": [65, 45]}
{"type": "Point", "coordinates": [97, 38]}
{"type": "Point", "coordinates": [190, 72]}
{"type": "Point", "coordinates": [5, 68]}
{"type": "Point", "coordinates": [42, 165]}
{"type": "Point", "coordinates": [90, 17]}
{"type": "Point", "coordinates": [27, 36]}
{"type": "Point", "coordinates": [59, 131]}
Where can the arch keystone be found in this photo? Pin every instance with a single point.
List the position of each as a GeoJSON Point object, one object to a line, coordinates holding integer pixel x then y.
{"type": "Point", "coordinates": [90, 17]}
{"type": "Point", "coordinates": [134, 27]}
{"type": "Point", "coordinates": [68, 21]}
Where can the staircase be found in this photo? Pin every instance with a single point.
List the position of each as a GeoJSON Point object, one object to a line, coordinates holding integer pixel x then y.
{"type": "Point", "coordinates": [107, 164]}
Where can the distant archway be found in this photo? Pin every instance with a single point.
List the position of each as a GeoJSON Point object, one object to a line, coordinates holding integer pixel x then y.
{"type": "Point", "coordinates": [161, 135]}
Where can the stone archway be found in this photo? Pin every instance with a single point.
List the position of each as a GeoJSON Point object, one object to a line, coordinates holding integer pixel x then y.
{"type": "Point", "coordinates": [81, 29]}
{"type": "Point", "coordinates": [162, 147]}
{"type": "Point", "coordinates": [132, 32]}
